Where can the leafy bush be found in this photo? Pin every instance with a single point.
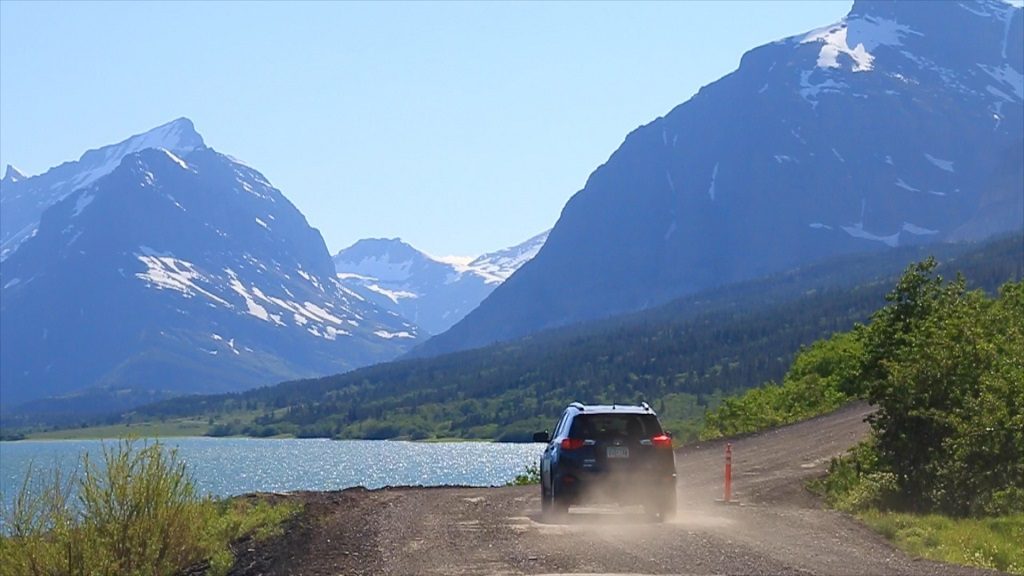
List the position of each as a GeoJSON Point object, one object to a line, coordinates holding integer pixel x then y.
{"type": "Point", "coordinates": [138, 513]}
{"type": "Point", "coordinates": [855, 483]}
{"type": "Point", "coordinates": [946, 369]}
{"type": "Point", "coordinates": [527, 478]}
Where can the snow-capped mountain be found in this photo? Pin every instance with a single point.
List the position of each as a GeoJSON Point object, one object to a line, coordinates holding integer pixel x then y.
{"type": "Point", "coordinates": [496, 267]}
{"type": "Point", "coordinates": [23, 199]}
{"type": "Point", "coordinates": [433, 293]}
{"type": "Point", "coordinates": [890, 127]}
{"type": "Point", "coordinates": [172, 268]}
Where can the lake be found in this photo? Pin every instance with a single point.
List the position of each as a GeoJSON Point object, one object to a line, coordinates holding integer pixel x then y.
{"type": "Point", "coordinates": [230, 466]}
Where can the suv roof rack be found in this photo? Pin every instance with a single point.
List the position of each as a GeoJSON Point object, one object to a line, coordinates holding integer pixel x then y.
{"type": "Point", "coordinates": [579, 406]}
{"type": "Point", "coordinates": [646, 406]}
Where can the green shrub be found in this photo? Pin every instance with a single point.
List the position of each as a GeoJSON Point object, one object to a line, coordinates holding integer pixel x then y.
{"type": "Point", "coordinates": [820, 380]}
{"type": "Point", "coordinates": [136, 514]}
{"type": "Point", "coordinates": [530, 476]}
{"type": "Point", "coordinates": [946, 369]}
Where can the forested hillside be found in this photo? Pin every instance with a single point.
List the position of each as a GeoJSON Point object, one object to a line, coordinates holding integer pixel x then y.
{"type": "Point", "coordinates": [681, 357]}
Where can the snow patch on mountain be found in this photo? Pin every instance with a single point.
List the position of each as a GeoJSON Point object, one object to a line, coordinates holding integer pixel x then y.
{"type": "Point", "coordinates": [857, 231]}
{"type": "Point", "coordinates": [809, 91]}
{"type": "Point", "coordinates": [165, 272]}
{"type": "Point", "coordinates": [864, 34]}
{"type": "Point", "coordinates": [389, 335]}
{"type": "Point", "coordinates": [1008, 77]}
{"type": "Point", "coordinates": [82, 202]}
{"type": "Point", "coordinates": [900, 183]}
{"type": "Point", "coordinates": [393, 295]}
{"type": "Point", "coordinates": [918, 230]}
{"type": "Point", "coordinates": [939, 163]}
{"type": "Point", "coordinates": [175, 159]}
{"type": "Point", "coordinates": [252, 308]}
{"type": "Point", "coordinates": [496, 267]}
{"type": "Point", "coordinates": [714, 177]}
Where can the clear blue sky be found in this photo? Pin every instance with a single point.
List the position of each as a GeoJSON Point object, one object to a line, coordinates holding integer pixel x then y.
{"type": "Point", "coordinates": [460, 127]}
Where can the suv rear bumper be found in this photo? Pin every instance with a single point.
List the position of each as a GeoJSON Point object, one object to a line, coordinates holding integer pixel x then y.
{"type": "Point", "coordinates": [577, 486]}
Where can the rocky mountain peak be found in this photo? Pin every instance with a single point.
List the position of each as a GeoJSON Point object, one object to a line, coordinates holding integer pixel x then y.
{"type": "Point", "coordinates": [12, 174]}
{"type": "Point", "coordinates": [386, 259]}
{"type": "Point", "coordinates": [178, 136]}
{"type": "Point", "coordinates": [928, 29]}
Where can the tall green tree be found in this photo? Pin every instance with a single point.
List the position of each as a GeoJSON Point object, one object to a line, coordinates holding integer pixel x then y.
{"type": "Point", "coordinates": [943, 365]}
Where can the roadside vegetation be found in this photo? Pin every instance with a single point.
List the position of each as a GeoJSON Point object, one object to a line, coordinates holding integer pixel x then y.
{"type": "Point", "coordinates": [942, 473]}
{"type": "Point", "coordinates": [528, 477]}
{"type": "Point", "coordinates": [136, 512]}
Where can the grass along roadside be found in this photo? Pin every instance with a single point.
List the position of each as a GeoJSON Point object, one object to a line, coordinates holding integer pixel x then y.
{"type": "Point", "coordinates": [984, 542]}
{"type": "Point", "coordinates": [855, 485]}
{"type": "Point", "coordinates": [137, 512]}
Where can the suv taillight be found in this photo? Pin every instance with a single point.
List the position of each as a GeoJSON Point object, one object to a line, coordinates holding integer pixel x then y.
{"type": "Point", "coordinates": [662, 441]}
{"type": "Point", "coordinates": [572, 443]}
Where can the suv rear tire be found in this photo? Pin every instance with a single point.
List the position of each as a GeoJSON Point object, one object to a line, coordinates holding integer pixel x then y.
{"type": "Point", "coordinates": [554, 507]}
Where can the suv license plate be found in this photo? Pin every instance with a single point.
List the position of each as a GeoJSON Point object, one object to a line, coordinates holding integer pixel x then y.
{"type": "Point", "coordinates": [618, 452]}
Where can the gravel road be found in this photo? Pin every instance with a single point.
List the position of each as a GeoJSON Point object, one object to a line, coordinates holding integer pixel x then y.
{"type": "Point", "coordinates": [774, 527]}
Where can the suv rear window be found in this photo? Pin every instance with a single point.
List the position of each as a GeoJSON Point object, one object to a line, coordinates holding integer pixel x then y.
{"type": "Point", "coordinates": [602, 426]}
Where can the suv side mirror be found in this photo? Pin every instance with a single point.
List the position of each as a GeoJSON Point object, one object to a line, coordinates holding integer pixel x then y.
{"type": "Point", "coordinates": [542, 437]}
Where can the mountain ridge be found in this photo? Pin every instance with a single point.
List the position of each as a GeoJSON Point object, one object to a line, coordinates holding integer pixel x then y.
{"type": "Point", "coordinates": [23, 199]}
{"type": "Point", "coordinates": [860, 136]}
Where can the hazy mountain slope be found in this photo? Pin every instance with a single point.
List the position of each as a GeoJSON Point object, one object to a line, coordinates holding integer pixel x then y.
{"type": "Point", "coordinates": [882, 130]}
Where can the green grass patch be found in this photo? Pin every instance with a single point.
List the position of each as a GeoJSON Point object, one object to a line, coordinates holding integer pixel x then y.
{"type": "Point", "coordinates": [857, 484]}
{"type": "Point", "coordinates": [993, 543]}
{"type": "Point", "coordinates": [152, 429]}
{"type": "Point", "coordinates": [137, 512]}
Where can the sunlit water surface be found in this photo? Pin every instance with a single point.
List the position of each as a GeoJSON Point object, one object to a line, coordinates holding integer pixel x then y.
{"type": "Point", "coordinates": [230, 466]}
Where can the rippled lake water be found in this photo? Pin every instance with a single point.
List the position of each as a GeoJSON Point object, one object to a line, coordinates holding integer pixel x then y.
{"type": "Point", "coordinates": [229, 466]}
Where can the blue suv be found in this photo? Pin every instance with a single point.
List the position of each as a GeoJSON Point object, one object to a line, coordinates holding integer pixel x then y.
{"type": "Point", "coordinates": [608, 453]}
